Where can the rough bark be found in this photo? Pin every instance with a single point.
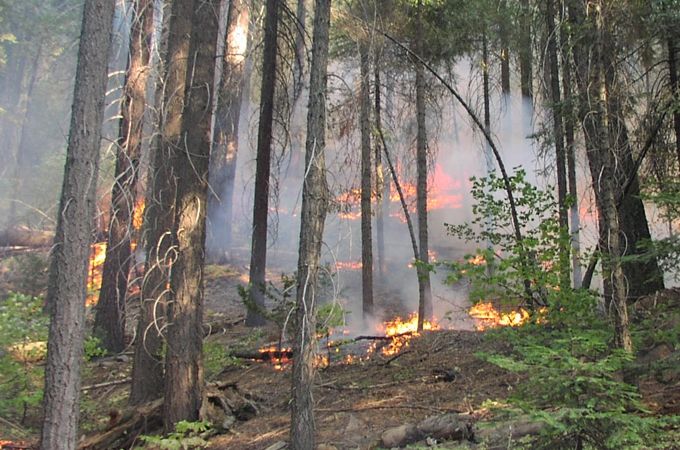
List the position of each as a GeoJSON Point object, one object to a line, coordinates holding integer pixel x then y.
{"type": "Point", "coordinates": [366, 183]}
{"type": "Point", "coordinates": [225, 135]}
{"type": "Point", "coordinates": [313, 214]}
{"type": "Point", "coordinates": [147, 375]}
{"type": "Point", "coordinates": [184, 357]}
{"type": "Point", "coordinates": [672, 48]}
{"type": "Point", "coordinates": [558, 136]}
{"type": "Point", "coordinates": [258, 259]}
{"type": "Point", "coordinates": [424, 288]}
{"type": "Point", "coordinates": [109, 323]}
{"type": "Point", "coordinates": [68, 268]}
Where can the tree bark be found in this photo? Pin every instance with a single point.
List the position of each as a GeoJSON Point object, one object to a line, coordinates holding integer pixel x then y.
{"type": "Point", "coordinates": [258, 260]}
{"type": "Point", "coordinates": [366, 183]}
{"type": "Point", "coordinates": [505, 47]}
{"type": "Point", "coordinates": [147, 375]}
{"type": "Point", "coordinates": [314, 209]}
{"type": "Point", "coordinates": [67, 286]}
{"type": "Point", "coordinates": [225, 135]}
{"type": "Point", "coordinates": [525, 53]}
{"type": "Point", "coordinates": [424, 288]}
{"type": "Point", "coordinates": [672, 47]}
{"type": "Point", "coordinates": [558, 135]}
{"type": "Point", "coordinates": [183, 360]}
{"type": "Point", "coordinates": [381, 192]}
{"type": "Point", "coordinates": [109, 323]}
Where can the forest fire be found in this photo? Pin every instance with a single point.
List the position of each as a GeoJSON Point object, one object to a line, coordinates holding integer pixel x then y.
{"type": "Point", "coordinates": [94, 273]}
{"type": "Point", "coordinates": [348, 265]}
{"type": "Point", "coordinates": [402, 331]}
{"type": "Point", "coordinates": [487, 316]}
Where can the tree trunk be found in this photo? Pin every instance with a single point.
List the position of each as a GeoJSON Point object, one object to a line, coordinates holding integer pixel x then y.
{"type": "Point", "coordinates": [569, 131]}
{"type": "Point", "coordinates": [422, 266]}
{"type": "Point", "coordinates": [184, 357]}
{"type": "Point", "coordinates": [147, 377]}
{"type": "Point", "coordinates": [67, 286]}
{"type": "Point", "coordinates": [505, 51]}
{"type": "Point", "coordinates": [225, 135]}
{"type": "Point", "coordinates": [675, 89]}
{"type": "Point", "coordinates": [258, 260]}
{"type": "Point", "coordinates": [558, 135]}
{"type": "Point", "coordinates": [525, 53]}
{"type": "Point", "coordinates": [314, 208]}
{"type": "Point", "coordinates": [300, 54]}
{"type": "Point", "coordinates": [109, 322]}
{"type": "Point", "coordinates": [366, 184]}
{"type": "Point", "coordinates": [381, 197]}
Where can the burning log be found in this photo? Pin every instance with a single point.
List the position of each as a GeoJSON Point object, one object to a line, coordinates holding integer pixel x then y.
{"type": "Point", "coordinates": [269, 354]}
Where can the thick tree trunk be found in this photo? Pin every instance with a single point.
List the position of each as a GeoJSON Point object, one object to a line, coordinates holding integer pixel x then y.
{"type": "Point", "coordinates": [314, 208]}
{"type": "Point", "coordinates": [68, 269]}
{"type": "Point", "coordinates": [424, 288]}
{"type": "Point", "coordinates": [184, 357]}
{"type": "Point", "coordinates": [225, 135]}
{"type": "Point", "coordinates": [109, 323]}
{"type": "Point", "coordinates": [147, 376]}
{"type": "Point", "coordinates": [558, 135]}
{"type": "Point", "coordinates": [366, 183]}
{"type": "Point", "coordinates": [258, 259]}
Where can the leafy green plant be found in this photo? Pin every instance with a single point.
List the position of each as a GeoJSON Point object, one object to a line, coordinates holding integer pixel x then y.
{"type": "Point", "coordinates": [216, 357]}
{"type": "Point", "coordinates": [23, 336]}
{"type": "Point", "coordinates": [187, 435]}
{"type": "Point", "coordinates": [503, 267]}
{"type": "Point", "coordinates": [93, 348]}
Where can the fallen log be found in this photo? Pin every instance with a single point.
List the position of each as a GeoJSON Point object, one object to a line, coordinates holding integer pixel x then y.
{"type": "Point", "coordinates": [445, 427]}
{"type": "Point", "coordinates": [266, 355]}
{"type": "Point", "coordinates": [22, 236]}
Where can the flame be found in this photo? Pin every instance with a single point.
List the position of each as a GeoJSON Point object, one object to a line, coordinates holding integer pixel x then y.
{"type": "Point", "coordinates": [487, 316]}
{"type": "Point", "coordinates": [348, 265]}
{"type": "Point", "coordinates": [477, 260]}
{"type": "Point", "coordinates": [402, 331]}
{"type": "Point", "coordinates": [94, 273]}
{"type": "Point", "coordinates": [278, 356]}
{"type": "Point", "coordinates": [138, 214]}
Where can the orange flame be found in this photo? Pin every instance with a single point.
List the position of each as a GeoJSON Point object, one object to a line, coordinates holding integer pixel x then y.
{"type": "Point", "coordinates": [402, 331]}
{"type": "Point", "coordinates": [348, 265]}
{"type": "Point", "coordinates": [94, 277]}
{"type": "Point", "coordinates": [487, 316]}
{"type": "Point", "coordinates": [138, 214]}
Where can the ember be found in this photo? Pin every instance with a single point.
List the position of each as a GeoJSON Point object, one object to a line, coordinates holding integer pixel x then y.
{"type": "Point", "coordinates": [487, 316]}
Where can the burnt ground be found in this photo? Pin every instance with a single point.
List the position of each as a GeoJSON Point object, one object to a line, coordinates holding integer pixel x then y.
{"type": "Point", "coordinates": [437, 373]}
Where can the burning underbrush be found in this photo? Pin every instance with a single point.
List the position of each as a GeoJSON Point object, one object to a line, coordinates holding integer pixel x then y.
{"type": "Point", "coordinates": [390, 338]}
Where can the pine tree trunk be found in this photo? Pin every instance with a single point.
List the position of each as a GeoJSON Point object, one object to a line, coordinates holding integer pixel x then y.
{"type": "Point", "coordinates": [381, 197]}
{"type": "Point", "coordinates": [225, 135]}
{"type": "Point", "coordinates": [424, 288]}
{"type": "Point", "coordinates": [109, 323]}
{"type": "Point", "coordinates": [675, 86]}
{"type": "Point", "coordinates": [315, 199]}
{"type": "Point", "coordinates": [558, 135]}
{"type": "Point", "coordinates": [147, 375]}
{"type": "Point", "coordinates": [505, 48]}
{"type": "Point", "coordinates": [366, 184]}
{"type": "Point", "coordinates": [258, 260]}
{"type": "Point", "coordinates": [67, 286]}
{"type": "Point", "coordinates": [525, 53]}
{"type": "Point", "coordinates": [183, 360]}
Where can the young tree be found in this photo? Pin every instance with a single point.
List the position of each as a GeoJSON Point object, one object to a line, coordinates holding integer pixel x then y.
{"type": "Point", "coordinates": [109, 322]}
{"type": "Point", "coordinates": [183, 360]}
{"type": "Point", "coordinates": [315, 199]}
{"type": "Point", "coordinates": [258, 260]}
{"type": "Point", "coordinates": [366, 181]}
{"type": "Point", "coordinates": [424, 288]}
{"type": "Point", "coordinates": [68, 269]}
{"type": "Point", "coordinates": [225, 135]}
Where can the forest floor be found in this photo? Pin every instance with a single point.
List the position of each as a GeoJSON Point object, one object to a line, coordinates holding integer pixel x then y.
{"type": "Point", "coordinates": [355, 403]}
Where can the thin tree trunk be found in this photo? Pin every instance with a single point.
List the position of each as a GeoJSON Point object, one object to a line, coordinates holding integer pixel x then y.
{"type": "Point", "coordinates": [366, 184]}
{"type": "Point", "coordinates": [675, 88]}
{"type": "Point", "coordinates": [147, 376]}
{"type": "Point", "coordinates": [258, 260]}
{"type": "Point", "coordinates": [505, 51]}
{"type": "Point", "coordinates": [109, 323]}
{"type": "Point", "coordinates": [67, 286]}
{"type": "Point", "coordinates": [314, 208]}
{"type": "Point", "coordinates": [424, 289]}
{"type": "Point", "coordinates": [225, 135]}
{"type": "Point", "coordinates": [558, 135]}
{"type": "Point", "coordinates": [525, 54]}
{"type": "Point", "coordinates": [381, 197]}
{"type": "Point", "coordinates": [300, 54]}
